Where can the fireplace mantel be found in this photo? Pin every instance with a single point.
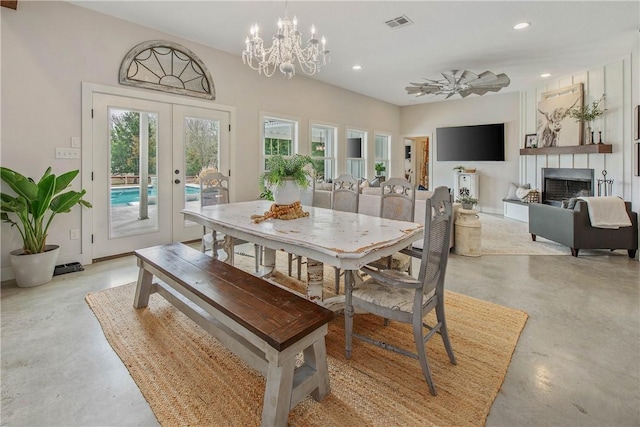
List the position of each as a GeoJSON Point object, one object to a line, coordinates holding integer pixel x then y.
{"type": "Point", "coordinates": [570, 149]}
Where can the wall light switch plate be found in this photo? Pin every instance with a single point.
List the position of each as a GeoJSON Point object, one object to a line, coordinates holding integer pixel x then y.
{"type": "Point", "coordinates": [75, 142]}
{"type": "Point", "coordinates": [67, 153]}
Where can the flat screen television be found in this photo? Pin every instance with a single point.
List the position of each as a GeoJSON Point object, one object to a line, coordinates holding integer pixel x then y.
{"type": "Point", "coordinates": [466, 143]}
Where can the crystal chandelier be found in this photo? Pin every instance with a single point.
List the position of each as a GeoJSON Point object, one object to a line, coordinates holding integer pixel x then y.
{"type": "Point", "coordinates": [285, 50]}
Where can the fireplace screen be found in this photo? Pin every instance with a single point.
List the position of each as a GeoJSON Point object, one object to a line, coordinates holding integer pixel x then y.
{"type": "Point", "coordinates": [564, 183]}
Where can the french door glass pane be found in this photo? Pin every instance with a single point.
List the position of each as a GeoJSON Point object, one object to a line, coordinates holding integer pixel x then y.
{"type": "Point", "coordinates": [201, 154]}
{"type": "Point", "coordinates": [133, 183]}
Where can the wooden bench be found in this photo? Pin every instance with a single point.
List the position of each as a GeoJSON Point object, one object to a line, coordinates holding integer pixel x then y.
{"type": "Point", "coordinates": [261, 323]}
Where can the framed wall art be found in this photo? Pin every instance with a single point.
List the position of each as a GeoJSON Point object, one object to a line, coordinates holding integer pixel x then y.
{"type": "Point", "coordinates": [554, 127]}
{"type": "Point", "coordinates": [636, 159]}
{"type": "Point", "coordinates": [531, 140]}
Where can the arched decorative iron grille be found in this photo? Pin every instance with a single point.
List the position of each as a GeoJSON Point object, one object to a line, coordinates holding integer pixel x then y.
{"type": "Point", "coordinates": [168, 67]}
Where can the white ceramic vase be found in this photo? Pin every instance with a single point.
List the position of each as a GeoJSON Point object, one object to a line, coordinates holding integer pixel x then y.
{"type": "Point", "coordinates": [34, 269]}
{"type": "Point", "coordinates": [287, 193]}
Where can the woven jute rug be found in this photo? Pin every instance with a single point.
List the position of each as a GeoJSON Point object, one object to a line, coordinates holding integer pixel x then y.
{"type": "Point", "coordinates": [189, 378]}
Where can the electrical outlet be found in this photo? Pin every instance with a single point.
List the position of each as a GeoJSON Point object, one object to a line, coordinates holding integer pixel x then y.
{"type": "Point", "coordinates": [67, 153]}
{"type": "Point", "coordinates": [75, 142]}
{"type": "Point", "coordinates": [74, 234]}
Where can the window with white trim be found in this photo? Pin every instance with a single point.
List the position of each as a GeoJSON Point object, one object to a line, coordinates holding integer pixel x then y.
{"type": "Point", "coordinates": [323, 139]}
{"type": "Point", "coordinates": [280, 137]}
{"type": "Point", "coordinates": [356, 147]}
{"type": "Point", "coordinates": [381, 152]}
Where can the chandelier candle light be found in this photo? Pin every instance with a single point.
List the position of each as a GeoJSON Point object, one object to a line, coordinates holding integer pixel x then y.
{"type": "Point", "coordinates": [285, 50]}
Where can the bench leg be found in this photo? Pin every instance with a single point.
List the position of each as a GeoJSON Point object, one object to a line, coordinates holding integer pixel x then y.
{"type": "Point", "coordinates": [143, 288]}
{"type": "Point", "coordinates": [277, 395]}
{"type": "Point", "coordinates": [316, 357]}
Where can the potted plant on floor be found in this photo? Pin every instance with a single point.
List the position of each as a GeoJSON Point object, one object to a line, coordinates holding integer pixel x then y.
{"type": "Point", "coordinates": [467, 201]}
{"type": "Point", "coordinates": [285, 176]}
{"type": "Point", "coordinates": [34, 206]}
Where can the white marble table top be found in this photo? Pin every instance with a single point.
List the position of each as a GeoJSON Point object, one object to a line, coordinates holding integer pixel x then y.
{"type": "Point", "coordinates": [341, 239]}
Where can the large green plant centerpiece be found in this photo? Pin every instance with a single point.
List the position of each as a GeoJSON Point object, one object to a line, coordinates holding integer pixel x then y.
{"type": "Point", "coordinates": [280, 168]}
{"type": "Point", "coordinates": [35, 204]}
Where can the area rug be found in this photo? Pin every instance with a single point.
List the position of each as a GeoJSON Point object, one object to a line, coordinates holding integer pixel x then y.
{"type": "Point", "coordinates": [189, 378]}
{"type": "Point", "coordinates": [504, 236]}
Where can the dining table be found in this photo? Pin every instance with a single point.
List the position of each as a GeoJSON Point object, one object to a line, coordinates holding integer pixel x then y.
{"type": "Point", "coordinates": [341, 239]}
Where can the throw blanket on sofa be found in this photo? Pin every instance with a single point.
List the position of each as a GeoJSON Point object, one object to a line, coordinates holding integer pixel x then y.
{"type": "Point", "coordinates": [607, 212]}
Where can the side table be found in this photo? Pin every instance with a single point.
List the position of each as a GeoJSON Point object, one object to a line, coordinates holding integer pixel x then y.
{"type": "Point", "coordinates": [468, 232]}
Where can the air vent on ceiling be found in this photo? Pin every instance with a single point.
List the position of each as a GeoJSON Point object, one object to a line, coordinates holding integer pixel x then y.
{"type": "Point", "coordinates": [400, 21]}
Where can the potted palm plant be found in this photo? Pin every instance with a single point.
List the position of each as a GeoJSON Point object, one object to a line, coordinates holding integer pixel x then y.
{"type": "Point", "coordinates": [284, 177]}
{"type": "Point", "coordinates": [379, 167]}
{"type": "Point", "coordinates": [31, 210]}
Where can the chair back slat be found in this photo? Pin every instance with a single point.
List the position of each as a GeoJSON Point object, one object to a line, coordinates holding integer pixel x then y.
{"type": "Point", "coordinates": [398, 199]}
{"type": "Point", "coordinates": [345, 194]}
{"type": "Point", "coordinates": [214, 189]}
{"type": "Point", "coordinates": [435, 250]}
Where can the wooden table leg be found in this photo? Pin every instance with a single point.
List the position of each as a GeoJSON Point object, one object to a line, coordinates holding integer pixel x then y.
{"type": "Point", "coordinates": [315, 279]}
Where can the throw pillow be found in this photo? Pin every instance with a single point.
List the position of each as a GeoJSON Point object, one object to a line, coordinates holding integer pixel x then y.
{"type": "Point", "coordinates": [422, 187]}
{"type": "Point", "coordinates": [364, 184]}
{"type": "Point", "coordinates": [513, 188]}
{"type": "Point", "coordinates": [374, 183]}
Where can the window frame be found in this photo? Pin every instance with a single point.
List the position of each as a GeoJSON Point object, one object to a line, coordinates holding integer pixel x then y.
{"type": "Point", "coordinates": [364, 149]}
{"type": "Point", "coordinates": [333, 158]}
{"type": "Point", "coordinates": [385, 160]}
{"type": "Point", "coordinates": [295, 142]}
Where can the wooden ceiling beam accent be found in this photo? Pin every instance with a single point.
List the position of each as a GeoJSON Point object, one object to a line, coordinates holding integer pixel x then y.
{"type": "Point", "coordinates": [11, 4]}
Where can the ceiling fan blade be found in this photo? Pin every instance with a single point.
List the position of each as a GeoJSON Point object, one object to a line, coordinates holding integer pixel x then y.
{"type": "Point", "coordinates": [466, 77]}
{"type": "Point", "coordinates": [478, 90]}
{"type": "Point", "coordinates": [451, 78]}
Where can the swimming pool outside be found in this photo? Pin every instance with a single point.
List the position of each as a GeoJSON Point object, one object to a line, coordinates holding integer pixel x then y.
{"type": "Point", "coordinates": [126, 196]}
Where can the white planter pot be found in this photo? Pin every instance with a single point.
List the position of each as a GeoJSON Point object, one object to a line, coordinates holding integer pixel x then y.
{"type": "Point", "coordinates": [287, 193]}
{"type": "Point", "coordinates": [34, 269]}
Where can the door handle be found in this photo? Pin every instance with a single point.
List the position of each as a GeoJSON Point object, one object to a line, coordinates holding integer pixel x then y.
{"type": "Point", "coordinates": [177, 181]}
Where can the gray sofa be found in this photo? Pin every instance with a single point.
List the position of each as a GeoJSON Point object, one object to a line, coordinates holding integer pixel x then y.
{"type": "Point", "coordinates": [572, 227]}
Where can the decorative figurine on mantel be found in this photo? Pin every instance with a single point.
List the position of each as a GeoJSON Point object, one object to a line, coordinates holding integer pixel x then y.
{"type": "Point", "coordinates": [588, 113]}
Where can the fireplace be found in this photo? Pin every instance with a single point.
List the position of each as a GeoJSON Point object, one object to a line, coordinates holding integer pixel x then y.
{"type": "Point", "coordinates": [564, 183]}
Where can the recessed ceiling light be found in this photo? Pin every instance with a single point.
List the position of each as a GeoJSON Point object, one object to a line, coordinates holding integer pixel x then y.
{"type": "Point", "coordinates": [545, 75]}
{"type": "Point", "coordinates": [521, 25]}
{"type": "Point", "coordinates": [357, 67]}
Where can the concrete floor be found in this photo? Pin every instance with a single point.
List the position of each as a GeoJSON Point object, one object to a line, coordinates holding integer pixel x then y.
{"type": "Point", "coordinates": [577, 362]}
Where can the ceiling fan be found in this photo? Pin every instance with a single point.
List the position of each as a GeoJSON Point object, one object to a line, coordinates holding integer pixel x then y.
{"type": "Point", "coordinates": [463, 84]}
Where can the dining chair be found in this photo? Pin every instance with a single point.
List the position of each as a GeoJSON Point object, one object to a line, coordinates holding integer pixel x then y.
{"type": "Point", "coordinates": [214, 190]}
{"type": "Point", "coordinates": [397, 296]}
{"type": "Point", "coordinates": [344, 197]}
{"type": "Point", "coordinates": [397, 202]}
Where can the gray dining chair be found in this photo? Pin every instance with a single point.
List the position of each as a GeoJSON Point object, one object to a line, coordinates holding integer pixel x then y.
{"type": "Point", "coordinates": [397, 296]}
{"type": "Point", "coordinates": [214, 190]}
{"type": "Point", "coordinates": [344, 198]}
{"type": "Point", "coordinates": [397, 202]}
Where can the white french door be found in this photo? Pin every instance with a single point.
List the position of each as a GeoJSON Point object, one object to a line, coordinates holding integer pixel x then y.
{"type": "Point", "coordinates": [200, 142]}
{"type": "Point", "coordinates": [147, 156]}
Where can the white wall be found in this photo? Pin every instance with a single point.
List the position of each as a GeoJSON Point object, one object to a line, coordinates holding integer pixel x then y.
{"type": "Point", "coordinates": [421, 120]}
{"type": "Point", "coordinates": [50, 48]}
